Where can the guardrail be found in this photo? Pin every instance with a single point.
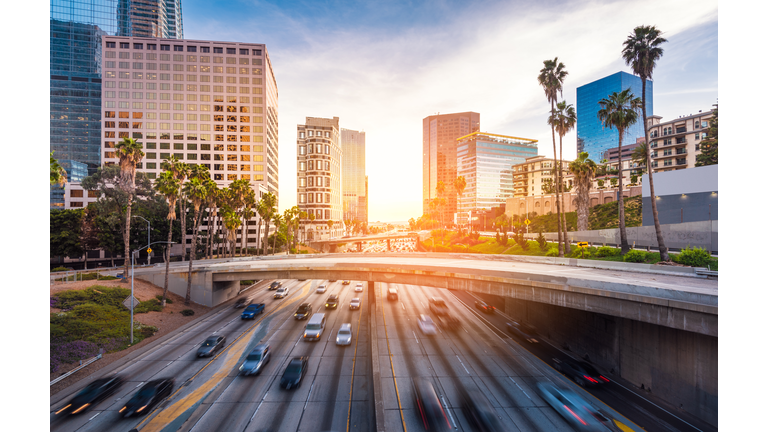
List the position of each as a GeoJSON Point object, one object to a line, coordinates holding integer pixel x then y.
{"type": "Point", "coordinates": [82, 365]}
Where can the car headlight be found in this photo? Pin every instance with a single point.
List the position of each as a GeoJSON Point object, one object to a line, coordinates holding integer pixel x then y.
{"type": "Point", "coordinates": [305, 335]}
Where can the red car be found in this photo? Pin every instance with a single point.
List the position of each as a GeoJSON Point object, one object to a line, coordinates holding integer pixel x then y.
{"type": "Point", "coordinates": [485, 307]}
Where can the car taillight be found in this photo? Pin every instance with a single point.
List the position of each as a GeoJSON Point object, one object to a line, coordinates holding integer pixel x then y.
{"type": "Point", "coordinates": [604, 378]}
{"type": "Point", "coordinates": [574, 414]}
{"type": "Point", "coordinates": [591, 379]}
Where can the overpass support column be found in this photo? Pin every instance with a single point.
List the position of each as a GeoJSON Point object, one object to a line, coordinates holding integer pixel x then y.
{"type": "Point", "coordinates": [389, 247]}
{"type": "Point", "coordinates": [359, 246]}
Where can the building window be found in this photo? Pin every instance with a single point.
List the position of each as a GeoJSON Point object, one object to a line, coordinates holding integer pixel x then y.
{"type": "Point", "coordinates": [165, 47]}
{"type": "Point", "coordinates": [125, 45]}
{"type": "Point", "coordinates": [75, 203]}
{"type": "Point", "coordinates": [110, 45]}
{"type": "Point", "coordinates": [76, 193]}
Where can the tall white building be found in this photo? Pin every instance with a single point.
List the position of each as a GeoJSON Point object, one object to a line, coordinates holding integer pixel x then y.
{"type": "Point", "coordinates": [354, 188]}
{"type": "Point", "coordinates": [319, 159]}
{"type": "Point", "coordinates": [209, 103]}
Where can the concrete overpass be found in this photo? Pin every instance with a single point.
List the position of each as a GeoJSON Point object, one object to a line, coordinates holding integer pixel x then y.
{"type": "Point", "coordinates": [332, 244]}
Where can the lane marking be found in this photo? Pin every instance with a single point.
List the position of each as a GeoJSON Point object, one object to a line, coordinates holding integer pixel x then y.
{"type": "Point", "coordinates": [449, 412]}
{"type": "Point", "coordinates": [94, 416]}
{"type": "Point", "coordinates": [462, 365]}
{"type": "Point", "coordinates": [521, 389]}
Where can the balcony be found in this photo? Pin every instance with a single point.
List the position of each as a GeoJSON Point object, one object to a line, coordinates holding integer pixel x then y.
{"type": "Point", "coordinates": [681, 162]}
{"type": "Point", "coordinates": [681, 151]}
{"type": "Point", "coordinates": [680, 140]}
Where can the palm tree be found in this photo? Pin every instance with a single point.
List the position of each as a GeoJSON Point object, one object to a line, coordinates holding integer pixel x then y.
{"type": "Point", "coordinates": [551, 77]}
{"type": "Point", "coordinates": [440, 190]}
{"type": "Point", "coordinates": [231, 223]}
{"type": "Point", "coordinates": [197, 191]}
{"type": "Point", "coordinates": [58, 173]}
{"type": "Point", "coordinates": [266, 208]}
{"type": "Point", "coordinates": [169, 186]}
{"type": "Point", "coordinates": [277, 218]}
{"type": "Point", "coordinates": [180, 170]}
{"type": "Point", "coordinates": [583, 170]}
{"type": "Point", "coordinates": [330, 223]}
{"type": "Point", "coordinates": [638, 156]}
{"type": "Point", "coordinates": [249, 203]}
{"type": "Point", "coordinates": [563, 119]}
{"type": "Point", "coordinates": [641, 52]}
{"type": "Point", "coordinates": [311, 221]}
{"type": "Point", "coordinates": [214, 198]}
{"type": "Point", "coordinates": [130, 154]}
{"type": "Point", "coordinates": [459, 185]}
{"type": "Point", "coordinates": [619, 111]}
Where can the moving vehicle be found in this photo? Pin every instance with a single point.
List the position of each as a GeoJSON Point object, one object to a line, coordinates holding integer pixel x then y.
{"type": "Point", "coordinates": [392, 294]}
{"type": "Point", "coordinates": [344, 336]}
{"type": "Point", "coordinates": [346, 282]}
{"type": "Point", "coordinates": [320, 289]}
{"type": "Point", "coordinates": [304, 311]}
{"type": "Point", "coordinates": [574, 409]}
{"type": "Point", "coordinates": [256, 360]}
{"type": "Point", "coordinates": [252, 310]}
{"type": "Point", "coordinates": [211, 345]}
{"type": "Point", "coordinates": [359, 287]}
{"type": "Point", "coordinates": [479, 411]}
{"type": "Point", "coordinates": [91, 395]}
{"type": "Point", "coordinates": [583, 373]}
{"type": "Point", "coordinates": [428, 406]}
{"type": "Point", "coordinates": [438, 306]}
{"type": "Point", "coordinates": [332, 302]}
{"type": "Point", "coordinates": [485, 307]}
{"type": "Point", "coordinates": [275, 285]}
{"type": "Point", "coordinates": [242, 302]}
{"type": "Point", "coordinates": [281, 292]}
{"type": "Point", "coordinates": [354, 304]}
{"type": "Point", "coordinates": [522, 331]}
{"type": "Point", "coordinates": [315, 327]}
{"type": "Point", "coordinates": [448, 322]}
{"type": "Point", "coordinates": [331, 280]}
{"type": "Point", "coordinates": [148, 396]}
{"type": "Point", "coordinates": [294, 372]}
{"type": "Point", "coordinates": [426, 325]}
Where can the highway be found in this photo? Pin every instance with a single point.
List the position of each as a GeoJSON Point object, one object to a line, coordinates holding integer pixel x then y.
{"type": "Point", "coordinates": [337, 394]}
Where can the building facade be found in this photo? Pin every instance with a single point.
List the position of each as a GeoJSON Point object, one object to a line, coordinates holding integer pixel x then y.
{"type": "Point", "coordinates": [319, 176]}
{"type": "Point", "coordinates": [203, 102]}
{"type": "Point", "coordinates": [592, 136]}
{"type": "Point", "coordinates": [354, 190]}
{"type": "Point", "coordinates": [485, 161]}
{"type": "Point", "coordinates": [535, 176]}
{"type": "Point", "coordinates": [676, 143]}
{"type": "Point", "coordinates": [439, 154]}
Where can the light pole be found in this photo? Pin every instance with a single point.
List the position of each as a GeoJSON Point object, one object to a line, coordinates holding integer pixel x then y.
{"type": "Point", "coordinates": [149, 230]}
{"type": "Point", "coordinates": [133, 256]}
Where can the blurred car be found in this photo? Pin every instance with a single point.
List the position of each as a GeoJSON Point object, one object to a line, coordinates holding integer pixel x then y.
{"type": "Point", "coordinates": [148, 396]}
{"type": "Point", "coordinates": [304, 311]}
{"type": "Point", "coordinates": [91, 395]}
{"type": "Point", "coordinates": [426, 325]}
{"type": "Point", "coordinates": [255, 360]}
{"type": "Point", "coordinates": [354, 304]}
{"type": "Point", "coordinates": [428, 406]}
{"type": "Point", "coordinates": [294, 372]}
{"type": "Point", "coordinates": [332, 302]}
{"type": "Point", "coordinates": [359, 287]}
{"type": "Point", "coordinates": [344, 336]}
{"type": "Point", "coordinates": [479, 411]}
{"type": "Point", "coordinates": [211, 345]}
{"type": "Point", "coordinates": [242, 302]}
{"type": "Point", "coordinates": [485, 307]}
{"type": "Point", "coordinates": [582, 373]}
{"type": "Point", "coordinates": [437, 306]}
{"type": "Point", "coordinates": [275, 285]}
{"type": "Point", "coordinates": [448, 322]}
{"type": "Point", "coordinates": [523, 331]}
{"type": "Point", "coordinates": [320, 289]}
{"type": "Point", "coordinates": [392, 294]}
{"type": "Point", "coordinates": [281, 292]}
{"type": "Point", "coordinates": [574, 409]}
{"type": "Point", "coordinates": [346, 282]}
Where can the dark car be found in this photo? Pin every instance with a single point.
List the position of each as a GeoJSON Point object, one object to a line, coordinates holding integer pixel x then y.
{"type": "Point", "coordinates": [479, 411]}
{"type": "Point", "coordinates": [275, 285]}
{"type": "Point", "coordinates": [211, 346]}
{"type": "Point", "coordinates": [332, 302]}
{"type": "Point", "coordinates": [583, 373]}
{"type": "Point", "coordinates": [256, 360]}
{"type": "Point", "coordinates": [148, 396]}
{"type": "Point", "coordinates": [91, 395]}
{"type": "Point", "coordinates": [303, 312]}
{"type": "Point", "coordinates": [392, 294]}
{"type": "Point", "coordinates": [522, 331]}
{"type": "Point", "coordinates": [438, 306]}
{"type": "Point", "coordinates": [428, 406]}
{"type": "Point", "coordinates": [242, 302]}
{"type": "Point", "coordinates": [346, 282]}
{"type": "Point", "coordinates": [294, 372]}
{"type": "Point", "coordinates": [485, 307]}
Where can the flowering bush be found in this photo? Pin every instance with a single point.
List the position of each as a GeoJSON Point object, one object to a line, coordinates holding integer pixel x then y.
{"type": "Point", "coordinates": [54, 301]}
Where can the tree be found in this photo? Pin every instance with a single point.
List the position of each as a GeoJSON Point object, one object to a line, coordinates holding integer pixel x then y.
{"type": "Point", "coordinates": [642, 50]}
{"type": "Point", "coordinates": [214, 199]}
{"type": "Point", "coordinates": [619, 111]}
{"type": "Point", "coordinates": [277, 219]}
{"type": "Point", "coordinates": [266, 208]}
{"type": "Point", "coordinates": [638, 157]}
{"type": "Point", "coordinates": [169, 186]}
{"type": "Point", "coordinates": [130, 154]}
{"type": "Point", "coordinates": [180, 171]}
{"type": "Point", "coordinates": [708, 146]}
{"type": "Point", "coordinates": [551, 78]}
{"type": "Point", "coordinates": [563, 119]}
{"type": "Point", "coordinates": [58, 174]}
{"type": "Point", "coordinates": [330, 224]}
{"type": "Point", "coordinates": [583, 170]}
{"type": "Point", "coordinates": [197, 191]}
{"type": "Point", "coordinates": [65, 232]}
{"type": "Point", "coordinates": [459, 185]}
{"type": "Point", "coordinates": [440, 190]}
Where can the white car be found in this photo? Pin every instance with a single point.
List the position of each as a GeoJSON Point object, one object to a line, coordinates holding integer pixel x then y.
{"type": "Point", "coordinates": [354, 303]}
{"type": "Point", "coordinates": [359, 287]}
{"type": "Point", "coordinates": [320, 289]}
{"type": "Point", "coordinates": [344, 336]}
{"type": "Point", "coordinates": [281, 292]}
{"type": "Point", "coordinates": [426, 325]}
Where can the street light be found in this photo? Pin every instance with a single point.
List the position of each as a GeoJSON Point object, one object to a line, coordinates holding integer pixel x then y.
{"type": "Point", "coordinates": [149, 230]}
{"type": "Point", "coordinates": [133, 256]}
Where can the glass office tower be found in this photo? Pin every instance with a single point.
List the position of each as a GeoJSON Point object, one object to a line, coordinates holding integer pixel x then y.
{"type": "Point", "coordinates": [593, 137]}
{"type": "Point", "coordinates": [355, 201]}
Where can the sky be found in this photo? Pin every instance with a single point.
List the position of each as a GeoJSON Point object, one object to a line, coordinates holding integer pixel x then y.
{"type": "Point", "coordinates": [381, 67]}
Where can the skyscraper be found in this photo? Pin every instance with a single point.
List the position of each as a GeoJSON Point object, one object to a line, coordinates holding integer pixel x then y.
{"type": "Point", "coordinates": [319, 158]}
{"type": "Point", "coordinates": [355, 199]}
{"type": "Point", "coordinates": [76, 31]}
{"type": "Point", "coordinates": [592, 136]}
{"type": "Point", "coordinates": [439, 154]}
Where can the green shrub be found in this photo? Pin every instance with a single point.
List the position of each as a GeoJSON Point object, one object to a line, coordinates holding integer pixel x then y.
{"type": "Point", "coordinates": [552, 252]}
{"type": "Point", "coordinates": [460, 248]}
{"type": "Point", "coordinates": [187, 312]}
{"type": "Point", "coordinates": [542, 241]}
{"type": "Point", "coordinates": [58, 269]}
{"type": "Point", "coordinates": [149, 305]}
{"type": "Point", "coordinates": [636, 256]}
{"type": "Point", "coordinates": [159, 298]}
{"type": "Point", "coordinates": [606, 251]}
{"type": "Point", "coordinates": [246, 282]}
{"type": "Point", "coordinates": [696, 257]}
{"type": "Point", "coordinates": [442, 248]}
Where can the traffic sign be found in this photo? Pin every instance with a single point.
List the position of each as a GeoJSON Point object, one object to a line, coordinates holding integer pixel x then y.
{"type": "Point", "coordinates": [582, 244]}
{"type": "Point", "coordinates": [527, 222]}
{"type": "Point", "coordinates": [127, 302]}
{"type": "Point", "coordinates": [149, 250]}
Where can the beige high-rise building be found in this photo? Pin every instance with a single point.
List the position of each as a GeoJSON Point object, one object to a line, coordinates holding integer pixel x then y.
{"type": "Point", "coordinates": [319, 168]}
{"type": "Point", "coordinates": [355, 199]}
{"type": "Point", "coordinates": [676, 143]}
{"type": "Point", "coordinates": [204, 102]}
